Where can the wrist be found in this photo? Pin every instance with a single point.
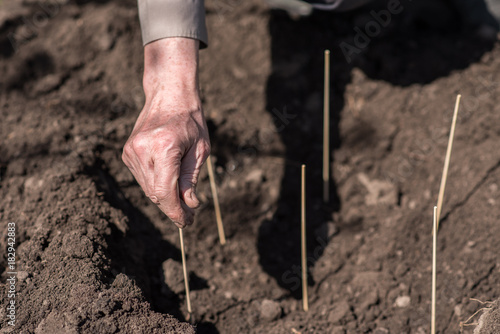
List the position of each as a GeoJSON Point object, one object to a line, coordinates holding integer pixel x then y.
{"type": "Point", "coordinates": [171, 64]}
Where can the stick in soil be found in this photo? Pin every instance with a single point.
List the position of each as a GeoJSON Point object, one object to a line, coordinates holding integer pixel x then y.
{"type": "Point", "coordinates": [447, 161]}
{"type": "Point", "coordinates": [326, 130]}
{"type": "Point", "coordinates": [218, 217]}
{"type": "Point", "coordinates": [305, 302]}
{"type": "Point", "coordinates": [434, 245]}
{"type": "Point", "coordinates": [184, 269]}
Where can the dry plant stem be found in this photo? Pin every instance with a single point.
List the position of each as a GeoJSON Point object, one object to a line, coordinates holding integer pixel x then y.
{"type": "Point", "coordinates": [184, 269]}
{"type": "Point", "coordinates": [481, 302]}
{"type": "Point", "coordinates": [218, 217]}
{"type": "Point", "coordinates": [326, 130]}
{"type": "Point", "coordinates": [305, 302]}
{"type": "Point", "coordinates": [434, 245]}
{"type": "Point", "coordinates": [465, 323]}
{"type": "Point", "coordinates": [447, 160]}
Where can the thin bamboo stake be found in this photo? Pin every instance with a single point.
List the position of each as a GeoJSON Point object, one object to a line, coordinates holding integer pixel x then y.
{"type": "Point", "coordinates": [218, 217]}
{"type": "Point", "coordinates": [447, 161]}
{"type": "Point", "coordinates": [184, 269]}
{"type": "Point", "coordinates": [326, 130]}
{"type": "Point", "coordinates": [434, 246]}
{"type": "Point", "coordinates": [305, 302]}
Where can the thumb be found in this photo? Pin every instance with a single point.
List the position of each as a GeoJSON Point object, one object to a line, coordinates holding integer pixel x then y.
{"type": "Point", "coordinates": [188, 178]}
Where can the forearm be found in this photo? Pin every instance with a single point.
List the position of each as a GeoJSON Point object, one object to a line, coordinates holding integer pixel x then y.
{"type": "Point", "coordinates": [171, 65]}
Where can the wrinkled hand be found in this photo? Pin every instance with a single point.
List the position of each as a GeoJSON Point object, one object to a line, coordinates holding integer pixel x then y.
{"type": "Point", "coordinates": [168, 145]}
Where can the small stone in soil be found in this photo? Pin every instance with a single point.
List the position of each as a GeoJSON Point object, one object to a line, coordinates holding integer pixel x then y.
{"type": "Point", "coordinates": [402, 301]}
{"type": "Point", "coordinates": [270, 310]}
{"type": "Point", "coordinates": [173, 275]}
{"type": "Point", "coordinates": [339, 311]}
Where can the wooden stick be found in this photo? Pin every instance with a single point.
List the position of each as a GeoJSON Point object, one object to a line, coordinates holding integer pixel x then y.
{"type": "Point", "coordinates": [305, 302]}
{"type": "Point", "coordinates": [434, 246]}
{"type": "Point", "coordinates": [326, 130]}
{"type": "Point", "coordinates": [447, 161]}
{"type": "Point", "coordinates": [218, 217]}
{"type": "Point", "coordinates": [184, 269]}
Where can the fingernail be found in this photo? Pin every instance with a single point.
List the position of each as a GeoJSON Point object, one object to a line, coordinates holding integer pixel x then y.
{"type": "Point", "coordinates": [194, 197]}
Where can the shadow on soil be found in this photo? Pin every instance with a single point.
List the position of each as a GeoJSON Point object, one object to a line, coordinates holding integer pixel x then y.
{"type": "Point", "coordinates": [140, 252]}
{"type": "Point", "coordinates": [421, 43]}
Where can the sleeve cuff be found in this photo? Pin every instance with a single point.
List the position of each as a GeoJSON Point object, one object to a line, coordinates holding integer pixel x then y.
{"type": "Point", "coordinates": [173, 18]}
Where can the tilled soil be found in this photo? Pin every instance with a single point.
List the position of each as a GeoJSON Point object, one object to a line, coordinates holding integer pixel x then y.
{"type": "Point", "coordinates": [93, 255]}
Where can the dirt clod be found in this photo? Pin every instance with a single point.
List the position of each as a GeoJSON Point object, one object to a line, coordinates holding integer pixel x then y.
{"type": "Point", "coordinates": [270, 310]}
{"type": "Point", "coordinates": [173, 276]}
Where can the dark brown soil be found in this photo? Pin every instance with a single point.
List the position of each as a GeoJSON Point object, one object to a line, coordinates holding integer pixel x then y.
{"type": "Point", "coordinates": [93, 254]}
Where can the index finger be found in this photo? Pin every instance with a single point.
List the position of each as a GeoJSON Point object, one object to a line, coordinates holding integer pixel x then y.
{"type": "Point", "coordinates": [166, 190]}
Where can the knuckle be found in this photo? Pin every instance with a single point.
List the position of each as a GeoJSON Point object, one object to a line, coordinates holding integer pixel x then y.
{"type": "Point", "coordinates": [139, 143]}
{"type": "Point", "coordinates": [160, 195]}
{"type": "Point", "coordinates": [194, 180]}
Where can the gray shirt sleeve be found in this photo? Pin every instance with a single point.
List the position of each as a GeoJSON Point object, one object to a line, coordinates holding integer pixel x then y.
{"type": "Point", "coordinates": [173, 18]}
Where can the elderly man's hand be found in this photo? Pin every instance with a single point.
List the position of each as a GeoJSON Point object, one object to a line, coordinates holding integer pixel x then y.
{"type": "Point", "coordinates": [170, 142]}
